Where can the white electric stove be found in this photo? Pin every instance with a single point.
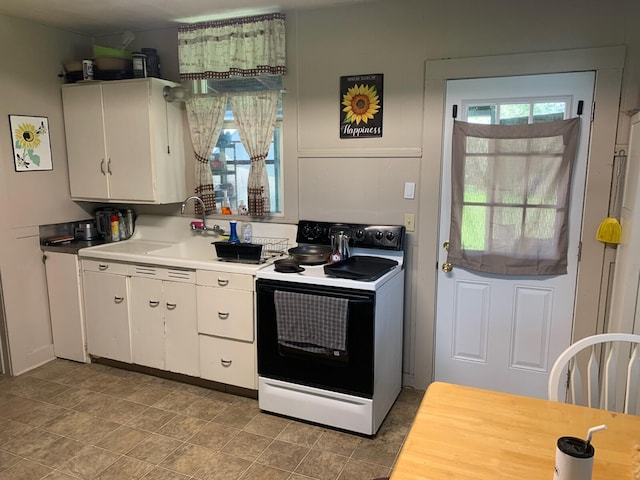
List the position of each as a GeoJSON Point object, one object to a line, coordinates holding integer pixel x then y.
{"type": "Point", "coordinates": [330, 337]}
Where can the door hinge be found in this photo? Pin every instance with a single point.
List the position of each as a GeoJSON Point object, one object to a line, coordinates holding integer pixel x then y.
{"type": "Point", "coordinates": [593, 111]}
{"type": "Point", "coordinates": [579, 250]}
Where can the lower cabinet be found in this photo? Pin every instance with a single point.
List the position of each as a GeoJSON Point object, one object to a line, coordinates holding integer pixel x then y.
{"type": "Point", "coordinates": [197, 323]}
{"type": "Point", "coordinates": [64, 286]}
{"type": "Point", "coordinates": [164, 332]}
{"type": "Point", "coordinates": [227, 328]}
{"type": "Point", "coordinates": [107, 310]}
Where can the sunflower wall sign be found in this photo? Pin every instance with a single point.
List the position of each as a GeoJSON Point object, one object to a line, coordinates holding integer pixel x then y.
{"type": "Point", "coordinates": [361, 106]}
{"type": "Point", "coordinates": [30, 139]}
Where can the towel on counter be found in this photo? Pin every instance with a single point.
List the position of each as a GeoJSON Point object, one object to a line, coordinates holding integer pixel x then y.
{"type": "Point", "coordinates": [313, 323]}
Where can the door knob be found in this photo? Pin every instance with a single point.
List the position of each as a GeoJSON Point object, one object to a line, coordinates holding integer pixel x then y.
{"type": "Point", "coordinates": [445, 245]}
{"type": "Point", "coordinates": [447, 267]}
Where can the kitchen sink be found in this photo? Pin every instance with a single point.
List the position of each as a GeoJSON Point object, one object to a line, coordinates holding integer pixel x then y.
{"type": "Point", "coordinates": [187, 250]}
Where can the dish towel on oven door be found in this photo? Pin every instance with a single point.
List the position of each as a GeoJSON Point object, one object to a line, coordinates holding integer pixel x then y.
{"type": "Point", "coordinates": [313, 323]}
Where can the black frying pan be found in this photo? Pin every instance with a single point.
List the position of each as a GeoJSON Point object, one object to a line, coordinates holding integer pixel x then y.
{"type": "Point", "coordinates": [310, 254]}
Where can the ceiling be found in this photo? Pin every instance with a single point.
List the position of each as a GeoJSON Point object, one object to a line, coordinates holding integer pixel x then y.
{"type": "Point", "coordinates": [101, 17]}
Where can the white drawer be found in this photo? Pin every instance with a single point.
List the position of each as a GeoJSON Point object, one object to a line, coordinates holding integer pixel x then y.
{"type": "Point", "coordinates": [220, 279]}
{"type": "Point", "coordinates": [107, 266]}
{"type": "Point", "coordinates": [228, 361]}
{"type": "Point", "coordinates": [225, 313]}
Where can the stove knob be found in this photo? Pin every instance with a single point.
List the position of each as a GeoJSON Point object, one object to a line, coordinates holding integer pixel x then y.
{"type": "Point", "coordinates": [391, 236]}
{"type": "Point", "coordinates": [359, 233]}
{"type": "Point", "coordinates": [379, 235]}
{"type": "Point", "coordinates": [306, 231]}
{"type": "Point", "coordinates": [317, 231]}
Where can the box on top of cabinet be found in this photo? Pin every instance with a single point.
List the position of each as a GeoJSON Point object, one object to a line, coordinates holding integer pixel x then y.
{"type": "Point", "coordinates": [125, 143]}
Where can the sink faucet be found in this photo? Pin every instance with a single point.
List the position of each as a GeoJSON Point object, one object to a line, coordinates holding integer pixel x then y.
{"type": "Point", "coordinates": [196, 199]}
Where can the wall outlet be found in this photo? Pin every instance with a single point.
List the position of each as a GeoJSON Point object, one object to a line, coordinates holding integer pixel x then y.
{"type": "Point", "coordinates": [410, 222]}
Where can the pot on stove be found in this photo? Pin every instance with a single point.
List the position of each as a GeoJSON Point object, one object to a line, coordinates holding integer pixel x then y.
{"type": "Point", "coordinates": [339, 247]}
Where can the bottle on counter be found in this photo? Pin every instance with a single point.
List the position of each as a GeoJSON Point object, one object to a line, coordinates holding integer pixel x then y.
{"type": "Point", "coordinates": [122, 227]}
{"type": "Point", "coordinates": [115, 228]}
{"type": "Point", "coordinates": [226, 208]}
{"type": "Point", "coordinates": [233, 236]}
{"type": "Point", "coordinates": [247, 233]}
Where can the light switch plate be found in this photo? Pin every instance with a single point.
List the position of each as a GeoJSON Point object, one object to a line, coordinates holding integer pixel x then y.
{"type": "Point", "coordinates": [409, 222]}
{"type": "Point", "coordinates": [409, 190]}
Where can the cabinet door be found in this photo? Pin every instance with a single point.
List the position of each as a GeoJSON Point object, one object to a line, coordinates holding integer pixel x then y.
{"type": "Point", "coordinates": [147, 322]}
{"type": "Point", "coordinates": [181, 329]}
{"type": "Point", "coordinates": [85, 141]}
{"type": "Point", "coordinates": [107, 316]}
{"type": "Point", "coordinates": [128, 141]}
{"type": "Point", "coordinates": [65, 306]}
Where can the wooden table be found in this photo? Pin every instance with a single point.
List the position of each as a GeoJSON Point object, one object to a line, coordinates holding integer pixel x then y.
{"type": "Point", "coordinates": [468, 433]}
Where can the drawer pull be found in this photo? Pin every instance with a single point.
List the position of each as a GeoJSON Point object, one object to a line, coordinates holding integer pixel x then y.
{"type": "Point", "coordinates": [103, 266]}
{"type": "Point", "coordinates": [223, 315]}
{"type": "Point", "coordinates": [225, 363]}
{"type": "Point", "coordinates": [154, 303]}
{"type": "Point", "coordinates": [118, 299]}
{"type": "Point", "coordinates": [222, 282]}
{"type": "Point", "coordinates": [171, 306]}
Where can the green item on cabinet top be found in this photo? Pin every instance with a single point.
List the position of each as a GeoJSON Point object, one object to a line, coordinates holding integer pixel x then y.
{"type": "Point", "coordinates": [100, 51]}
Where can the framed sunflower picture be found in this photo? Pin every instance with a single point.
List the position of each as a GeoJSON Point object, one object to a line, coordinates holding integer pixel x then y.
{"type": "Point", "coordinates": [361, 106]}
{"type": "Point", "coordinates": [31, 146]}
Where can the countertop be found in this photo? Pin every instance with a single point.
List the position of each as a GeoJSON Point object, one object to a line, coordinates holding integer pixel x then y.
{"type": "Point", "coordinates": [169, 241]}
{"type": "Point", "coordinates": [71, 247]}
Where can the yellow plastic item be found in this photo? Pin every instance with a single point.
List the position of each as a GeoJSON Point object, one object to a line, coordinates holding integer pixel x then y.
{"type": "Point", "coordinates": [609, 231]}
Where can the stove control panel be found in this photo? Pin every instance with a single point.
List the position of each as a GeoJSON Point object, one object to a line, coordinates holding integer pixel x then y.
{"type": "Point", "coordinates": [385, 237]}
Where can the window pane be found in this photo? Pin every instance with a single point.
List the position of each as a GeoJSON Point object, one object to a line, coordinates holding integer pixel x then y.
{"type": "Point", "coordinates": [483, 114]}
{"type": "Point", "coordinates": [514, 114]}
{"type": "Point", "coordinates": [230, 164]}
{"type": "Point", "coordinates": [474, 221]}
{"type": "Point", "coordinates": [548, 111]}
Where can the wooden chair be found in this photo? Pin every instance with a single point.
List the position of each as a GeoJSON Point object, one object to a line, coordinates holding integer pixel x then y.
{"type": "Point", "coordinates": [621, 358]}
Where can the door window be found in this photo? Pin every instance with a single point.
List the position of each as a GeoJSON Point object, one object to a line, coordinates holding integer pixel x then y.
{"type": "Point", "coordinates": [511, 172]}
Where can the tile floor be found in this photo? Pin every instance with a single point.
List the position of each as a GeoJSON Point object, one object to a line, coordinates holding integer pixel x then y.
{"type": "Point", "coordinates": [66, 420]}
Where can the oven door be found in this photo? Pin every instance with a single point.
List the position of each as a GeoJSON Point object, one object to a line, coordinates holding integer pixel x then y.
{"type": "Point", "coordinates": [351, 372]}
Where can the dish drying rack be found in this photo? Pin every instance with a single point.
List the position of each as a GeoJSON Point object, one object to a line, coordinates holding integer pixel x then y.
{"type": "Point", "coordinates": [271, 247]}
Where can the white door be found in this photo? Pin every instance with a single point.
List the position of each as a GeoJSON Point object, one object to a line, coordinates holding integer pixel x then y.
{"type": "Point", "coordinates": [504, 332]}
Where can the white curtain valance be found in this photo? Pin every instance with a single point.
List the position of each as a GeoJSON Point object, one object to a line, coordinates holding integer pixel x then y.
{"type": "Point", "coordinates": [247, 46]}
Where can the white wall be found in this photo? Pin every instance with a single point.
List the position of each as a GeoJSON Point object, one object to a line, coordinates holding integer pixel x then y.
{"type": "Point", "coordinates": [31, 59]}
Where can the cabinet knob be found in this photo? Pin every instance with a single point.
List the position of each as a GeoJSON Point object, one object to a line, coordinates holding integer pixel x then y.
{"type": "Point", "coordinates": [223, 315]}
{"type": "Point", "coordinates": [153, 303]}
{"type": "Point", "coordinates": [222, 282]}
{"type": "Point", "coordinates": [225, 363]}
{"type": "Point", "coordinates": [118, 299]}
{"type": "Point", "coordinates": [171, 306]}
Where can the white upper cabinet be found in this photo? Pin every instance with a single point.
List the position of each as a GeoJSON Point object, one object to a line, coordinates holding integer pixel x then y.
{"type": "Point", "coordinates": [124, 142]}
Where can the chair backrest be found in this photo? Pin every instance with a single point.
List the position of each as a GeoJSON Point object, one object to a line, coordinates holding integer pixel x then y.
{"type": "Point", "coordinates": [602, 384]}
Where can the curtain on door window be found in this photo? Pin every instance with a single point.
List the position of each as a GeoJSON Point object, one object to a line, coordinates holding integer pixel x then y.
{"type": "Point", "coordinates": [510, 197]}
